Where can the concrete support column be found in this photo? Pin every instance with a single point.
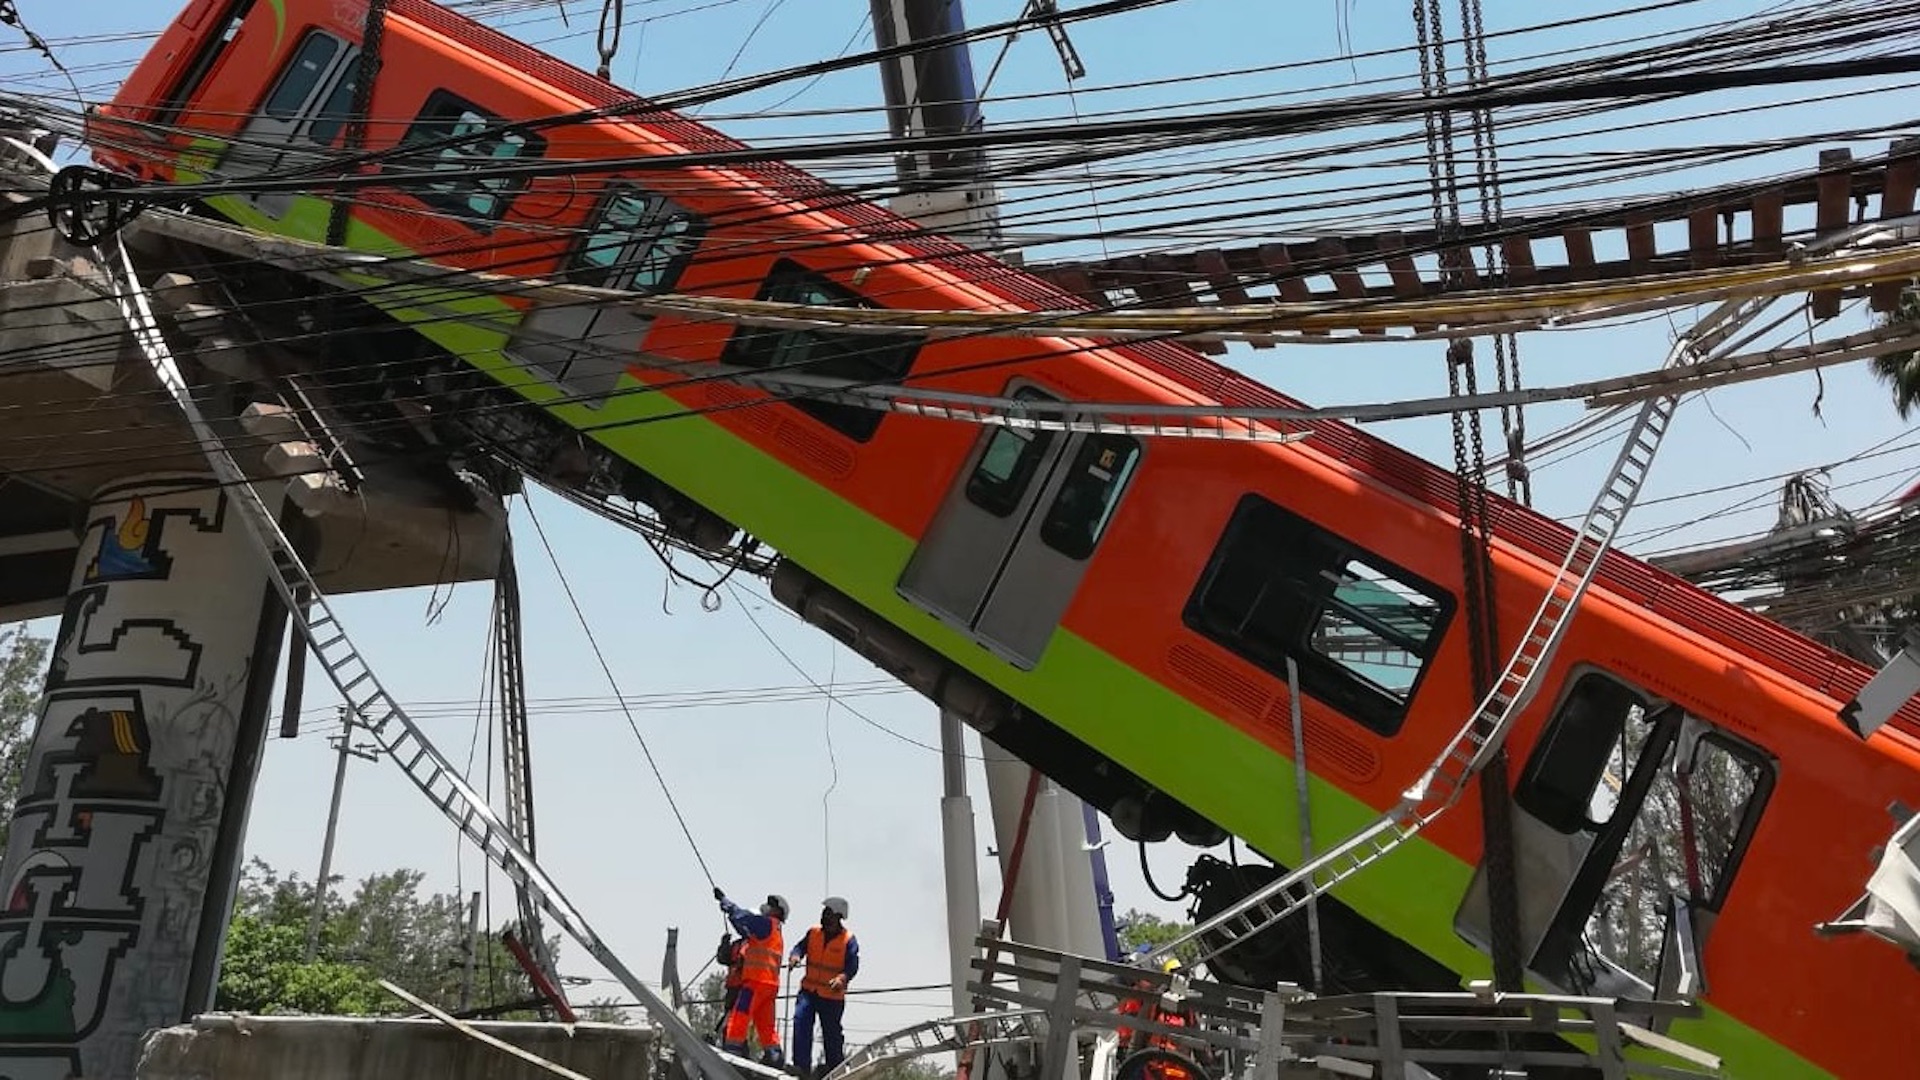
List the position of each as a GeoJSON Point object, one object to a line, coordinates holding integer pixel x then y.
{"type": "Point", "coordinates": [121, 841]}
{"type": "Point", "coordinates": [1053, 902]}
{"type": "Point", "coordinates": [962, 866]}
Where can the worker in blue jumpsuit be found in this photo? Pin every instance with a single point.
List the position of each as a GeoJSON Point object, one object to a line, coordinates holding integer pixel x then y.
{"type": "Point", "coordinates": [832, 955]}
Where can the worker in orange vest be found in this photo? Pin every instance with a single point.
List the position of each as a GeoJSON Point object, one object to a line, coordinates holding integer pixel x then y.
{"type": "Point", "coordinates": [1166, 1063]}
{"type": "Point", "coordinates": [833, 959]}
{"type": "Point", "coordinates": [733, 955]}
{"type": "Point", "coordinates": [759, 976]}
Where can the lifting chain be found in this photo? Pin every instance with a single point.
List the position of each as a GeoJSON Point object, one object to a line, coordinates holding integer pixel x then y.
{"type": "Point", "coordinates": [1469, 463]}
{"type": "Point", "coordinates": [366, 74]}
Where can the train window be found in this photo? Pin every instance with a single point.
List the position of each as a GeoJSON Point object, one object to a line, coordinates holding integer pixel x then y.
{"type": "Point", "coordinates": [864, 358]}
{"type": "Point", "coordinates": [1008, 463]}
{"type": "Point", "coordinates": [1089, 494]}
{"type": "Point", "coordinates": [315, 55]}
{"type": "Point", "coordinates": [1361, 630]}
{"type": "Point", "coordinates": [447, 116]}
{"type": "Point", "coordinates": [334, 112]}
{"type": "Point", "coordinates": [1669, 804]}
{"type": "Point", "coordinates": [1573, 778]}
{"type": "Point", "coordinates": [640, 242]}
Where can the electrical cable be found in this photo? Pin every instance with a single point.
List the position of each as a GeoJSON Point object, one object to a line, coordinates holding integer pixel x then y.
{"type": "Point", "coordinates": [607, 670]}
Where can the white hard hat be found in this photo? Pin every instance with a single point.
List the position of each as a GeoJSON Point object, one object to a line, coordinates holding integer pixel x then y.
{"type": "Point", "coordinates": [836, 904]}
{"type": "Point", "coordinates": [776, 902]}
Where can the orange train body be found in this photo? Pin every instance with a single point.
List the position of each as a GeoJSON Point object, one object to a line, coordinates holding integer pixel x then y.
{"type": "Point", "coordinates": [1197, 571]}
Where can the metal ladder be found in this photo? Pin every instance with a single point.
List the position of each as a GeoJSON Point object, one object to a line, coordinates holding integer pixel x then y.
{"type": "Point", "coordinates": [1441, 785]}
{"type": "Point", "coordinates": [382, 716]}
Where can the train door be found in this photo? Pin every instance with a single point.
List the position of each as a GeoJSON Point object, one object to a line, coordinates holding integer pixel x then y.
{"type": "Point", "coordinates": [636, 241]}
{"type": "Point", "coordinates": [1630, 820]}
{"type": "Point", "coordinates": [302, 116]}
{"type": "Point", "coordinates": [1007, 549]}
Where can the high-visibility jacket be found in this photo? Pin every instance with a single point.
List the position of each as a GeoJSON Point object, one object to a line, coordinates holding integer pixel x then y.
{"type": "Point", "coordinates": [736, 962]}
{"type": "Point", "coordinates": [760, 961]}
{"type": "Point", "coordinates": [826, 957]}
{"type": "Point", "coordinates": [1133, 1040]}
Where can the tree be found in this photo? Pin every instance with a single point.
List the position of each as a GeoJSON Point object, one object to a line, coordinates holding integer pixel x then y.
{"type": "Point", "coordinates": [706, 1004]}
{"type": "Point", "coordinates": [911, 1070]}
{"type": "Point", "coordinates": [23, 663]}
{"type": "Point", "coordinates": [604, 1011]}
{"type": "Point", "coordinates": [1901, 370]}
{"type": "Point", "coordinates": [385, 929]}
{"type": "Point", "coordinates": [1137, 928]}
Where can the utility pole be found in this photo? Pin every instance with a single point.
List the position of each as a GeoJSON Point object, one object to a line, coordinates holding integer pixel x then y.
{"type": "Point", "coordinates": [344, 743]}
{"type": "Point", "coordinates": [931, 92]}
{"type": "Point", "coordinates": [473, 950]}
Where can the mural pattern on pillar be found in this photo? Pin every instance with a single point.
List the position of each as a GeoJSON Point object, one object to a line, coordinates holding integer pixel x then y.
{"type": "Point", "coordinates": [106, 867]}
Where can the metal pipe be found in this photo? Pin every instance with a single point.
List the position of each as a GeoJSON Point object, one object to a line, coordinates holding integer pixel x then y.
{"type": "Point", "coordinates": [1304, 805]}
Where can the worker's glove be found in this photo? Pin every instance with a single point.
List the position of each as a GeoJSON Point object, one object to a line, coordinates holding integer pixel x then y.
{"type": "Point", "coordinates": [719, 893]}
{"type": "Point", "coordinates": [838, 982]}
{"type": "Point", "coordinates": [793, 962]}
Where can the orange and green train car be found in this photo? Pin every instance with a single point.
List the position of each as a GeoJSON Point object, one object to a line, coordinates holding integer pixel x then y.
{"type": "Point", "coordinates": [1119, 611]}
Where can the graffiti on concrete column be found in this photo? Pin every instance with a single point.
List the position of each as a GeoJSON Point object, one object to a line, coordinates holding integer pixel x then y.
{"type": "Point", "coordinates": [106, 867]}
{"type": "Point", "coordinates": [131, 547]}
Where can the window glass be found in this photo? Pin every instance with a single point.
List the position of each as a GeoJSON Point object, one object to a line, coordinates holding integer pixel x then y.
{"type": "Point", "coordinates": [1665, 804]}
{"type": "Point", "coordinates": [309, 63]}
{"type": "Point", "coordinates": [1573, 778]}
{"type": "Point", "coordinates": [862, 358]}
{"type": "Point", "coordinates": [474, 201]}
{"type": "Point", "coordinates": [1375, 627]}
{"type": "Point", "coordinates": [641, 243]}
{"type": "Point", "coordinates": [1361, 630]}
{"type": "Point", "coordinates": [1089, 494]}
{"type": "Point", "coordinates": [1680, 843]}
{"type": "Point", "coordinates": [1008, 463]}
{"type": "Point", "coordinates": [338, 107]}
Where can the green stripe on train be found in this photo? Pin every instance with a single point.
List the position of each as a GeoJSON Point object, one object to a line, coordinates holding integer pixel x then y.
{"type": "Point", "coordinates": [1075, 681]}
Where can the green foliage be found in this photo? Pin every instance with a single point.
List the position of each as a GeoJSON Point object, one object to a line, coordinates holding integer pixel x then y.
{"type": "Point", "coordinates": [385, 929]}
{"type": "Point", "coordinates": [1901, 370]}
{"type": "Point", "coordinates": [1136, 928]}
{"type": "Point", "coordinates": [705, 1003]}
{"type": "Point", "coordinates": [604, 1010]}
{"type": "Point", "coordinates": [912, 1070]}
{"type": "Point", "coordinates": [23, 669]}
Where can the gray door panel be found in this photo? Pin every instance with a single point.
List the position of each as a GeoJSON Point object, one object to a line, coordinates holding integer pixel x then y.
{"type": "Point", "coordinates": [1044, 570]}
{"type": "Point", "coordinates": [612, 346]}
{"type": "Point", "coordinates": [547, 338]}
{"type": "Point", "coordinates": [281, 135]}
{"type": "Point", "coordinates": [1006, 552]}
{"type": "Point", "coordinates": [1545, 861]}
{"type": "Point", "coordinates": [963, 549]}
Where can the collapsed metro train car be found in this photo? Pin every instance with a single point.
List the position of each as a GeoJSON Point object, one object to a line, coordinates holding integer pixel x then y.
{"type": "Point", "coordinates": [1119, 611]}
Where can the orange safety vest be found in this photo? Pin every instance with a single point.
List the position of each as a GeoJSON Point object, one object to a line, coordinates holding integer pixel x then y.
{"type": "Point", "coordinates": [825, 959]}
{"type": "Point", "coordinates": [760, 961]}
{"type": "Point", "coordinates": [1158, 1070]}
{"type": "Point", "coordinates": [736, 959]}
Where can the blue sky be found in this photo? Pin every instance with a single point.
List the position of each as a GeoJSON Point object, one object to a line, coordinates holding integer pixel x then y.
{"type": "Point", "coordinates": [771, 806]}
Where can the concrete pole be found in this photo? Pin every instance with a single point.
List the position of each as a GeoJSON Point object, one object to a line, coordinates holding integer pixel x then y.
{"type": "Point", "coordinates": [1053, 903]}
{"type": "Point", "coordinates": [963, 870]}
{"type": "Point", "coordinates": [473, 952]}
{"type": "Point", "coordinates": [333, 827]}
{"type": "Point", "coordinates": [931, 92]}
{"type": "Point", "coordinates": [114, 841]}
